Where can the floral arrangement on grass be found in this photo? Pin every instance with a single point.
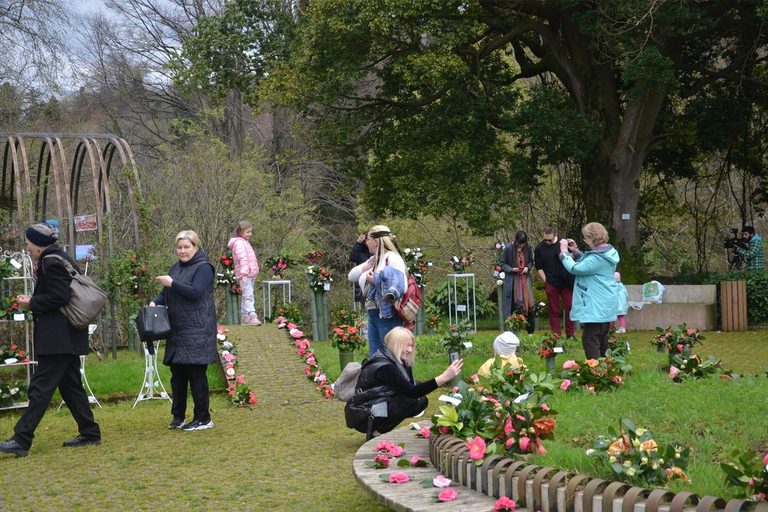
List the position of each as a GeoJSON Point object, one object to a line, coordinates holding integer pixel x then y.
{"type": "Point", "coordinates": [616, 344]}
{"type": "Point", "coordinates": [315, 257]}
{"type": "Point", "coordinates": [636, 457]}
{"type": "Point", "coordinates": [227, 278]}
{"type": "Point", "coordinates": [312, 369]}
{"type": "Point", "coordinates": [277, 264]}
{"type": "Point", "coordinates": [347, 338]}
{"type": "Point", "coordinates": [548, 345]}
{"type": "Point", "coordinates": [240, 394]}
{"type": "Point", "coordinates": [12, 392]}
{"type": "Point", "coordinates": [318, 277]}
{"type": "Point", "coordinates": [693, 367]}
{"type": "Point", "coordinates": [516, 322]}
{"type": "Point", "coordinates": [227, 352]}
{"type": "Point", "coordinates": [494, 424]}
{"type": "Point", "coordinates": [677, 340]}
{"type": "Point", "coordinates": [460, 265]}
{"type": "Point", "coordinates": [417, 265]}
{"type": "Point", "coordinates": [455, 337]}
{"type": "Point", "coordinates": [12, 351]}
{"type": "Point", "coordinates": [290, 313]}
{"type": "Point", "coordinates": [595, 375]}
{"type": "Point", "coordinates": [749, 472]}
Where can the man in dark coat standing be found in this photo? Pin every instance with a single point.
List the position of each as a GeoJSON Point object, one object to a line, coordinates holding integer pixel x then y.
{"type": "Point", "coordinates": [58, 347]}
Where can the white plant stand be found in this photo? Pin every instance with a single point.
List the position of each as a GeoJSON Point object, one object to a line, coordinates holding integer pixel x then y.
{"type": "Point", "coordinates": [152, 382]}
{"type": "Point", "coordinates": [457, 309]}
{"type": "Point", "coordinates": [91, 397]}
{"type": "Point", "coordinates": [266, 294]}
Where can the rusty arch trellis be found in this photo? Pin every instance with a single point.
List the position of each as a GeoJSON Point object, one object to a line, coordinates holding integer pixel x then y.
{"type": "Point", "coordinates": [45, 176]}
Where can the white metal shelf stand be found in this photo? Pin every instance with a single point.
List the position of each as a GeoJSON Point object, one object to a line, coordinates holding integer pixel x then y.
{"type": "Point", "coordinates": [152, 382]}
{"type": "Point", "coordinates": [91, 397]}
{"type": "Point", "coordinates": [266, 294]}
{"type": "Point", "coordinates": [454, 307]}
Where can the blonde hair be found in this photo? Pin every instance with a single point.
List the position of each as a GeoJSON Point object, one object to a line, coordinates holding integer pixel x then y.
{"type": "Point", "coordinates": [242, 227]}
{"type": "Point", "coordinates": [396, 340]}
{"type": "Point", "coordinates": [385, 241]}
{"type": "Point", "coordinates": [596, 232]}
{"type": "Point", "coordinates": [188, 234]}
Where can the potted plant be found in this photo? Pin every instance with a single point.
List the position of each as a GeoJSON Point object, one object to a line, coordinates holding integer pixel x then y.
{"type": "Point", "coordinates": [517, 323]}
{"type": "Point", "coordinates": [547, 351]}
{"type": "Point", "coordinates": [678, 341]}
{"type": "Point", "coordinates": [346, 338]}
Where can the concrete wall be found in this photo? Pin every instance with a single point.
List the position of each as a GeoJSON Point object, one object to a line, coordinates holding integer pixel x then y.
{"type": "Point", "coordinates": [694, 305]}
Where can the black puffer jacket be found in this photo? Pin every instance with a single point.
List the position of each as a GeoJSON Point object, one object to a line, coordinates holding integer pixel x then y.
{"type": "Point", "coordinates": [193, 322]}
{"type": "Point", "coordinates": [53, 332]}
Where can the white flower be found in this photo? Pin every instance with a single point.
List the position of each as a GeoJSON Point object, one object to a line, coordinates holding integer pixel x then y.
{"type": "Point", "coordinates": [590, 451]}
{"type": "Point", "coordinates": [502, 275]}
{"type": "Point", "coordinates": [227, 345]}
{"type": "Point", "coordinates": [14, 391]}
{"type": "Point", "coordinates": [499, 282]}
{"type": "Point", "coordinates": [418, 254]}
{"type": "Point", "coordinates": [429, 263]}
{"type": "Point", "coordinates": [414, 426]}
{"type": "Point", "coordinates": [221, 337]}
{"type": "Point", "coordinates": [231, 372]}
{"type": "Point", "coordinates": [407, 250]}
{"type": "Point", "coordinates": [456, 259]}
{"type": "Point", "coordinates": [224, 353]}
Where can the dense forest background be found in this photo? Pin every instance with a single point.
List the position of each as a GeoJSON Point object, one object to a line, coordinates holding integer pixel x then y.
{"type": "Point", "coordinates": [455, 123]}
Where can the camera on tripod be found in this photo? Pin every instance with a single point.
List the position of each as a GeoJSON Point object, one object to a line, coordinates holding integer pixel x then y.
{"type": "Point", "coordinates": [734, 241]}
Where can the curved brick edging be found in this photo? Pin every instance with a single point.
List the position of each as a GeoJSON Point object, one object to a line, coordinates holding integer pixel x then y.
{"type": "Point", "coordinates": [411, 496]}
{"type": "Point", "coordinates": [550, 490]}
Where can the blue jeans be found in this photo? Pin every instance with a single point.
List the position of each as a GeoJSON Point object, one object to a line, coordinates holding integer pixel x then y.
{"type": "Point", "coordinates": [378, 328]}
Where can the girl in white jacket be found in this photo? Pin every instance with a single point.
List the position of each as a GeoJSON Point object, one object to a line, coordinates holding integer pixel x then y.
{"type": "Point", "coordinates": [246, 270]}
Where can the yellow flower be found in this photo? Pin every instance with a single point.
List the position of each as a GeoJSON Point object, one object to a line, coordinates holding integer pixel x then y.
{"type": "Point", "coordinates": [640, 431]}
{"type": "Point", "coordinates": [631, 471]}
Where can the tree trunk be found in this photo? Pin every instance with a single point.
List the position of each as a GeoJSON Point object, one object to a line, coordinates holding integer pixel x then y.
{"type": "Point", "coordinates": [233, 128]}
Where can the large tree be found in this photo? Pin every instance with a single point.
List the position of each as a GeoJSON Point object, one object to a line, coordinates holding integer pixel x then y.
{"type": "Point", "coordinates": [450, 105]}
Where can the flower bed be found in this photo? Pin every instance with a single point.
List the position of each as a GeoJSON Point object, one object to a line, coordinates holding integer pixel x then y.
{"type": "Point", "coordinates": [312, 370]}
{"type": "Point", "coordinates": [239, 393]}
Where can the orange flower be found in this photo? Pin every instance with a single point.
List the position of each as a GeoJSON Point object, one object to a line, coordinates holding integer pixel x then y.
{"type": "Point", "coordinates": [649, 445]}
{"type": "Point", "coordinates": [544, 426]}
{"type": "Point", "coordinates": [592, 363]}
{"type": "Point", "coordinates": [622, 445]}
{"type": "Point", "coordinates": [676, 472]}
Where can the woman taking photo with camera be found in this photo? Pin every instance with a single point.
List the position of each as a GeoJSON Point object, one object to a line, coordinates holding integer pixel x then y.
{"type": "Point", "coordinates": [191, 346]}
{"type": "Point", "coordinates": [595, 293]}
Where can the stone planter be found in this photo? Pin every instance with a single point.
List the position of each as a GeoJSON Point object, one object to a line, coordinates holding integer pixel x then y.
{"type": "Point", "coordinates": [345, 357]}
{"type": "Point", "coordinates": [551, 365]}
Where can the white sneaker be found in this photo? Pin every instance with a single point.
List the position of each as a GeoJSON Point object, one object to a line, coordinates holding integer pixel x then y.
{"type": "Point", "coordinates": [621, 330]}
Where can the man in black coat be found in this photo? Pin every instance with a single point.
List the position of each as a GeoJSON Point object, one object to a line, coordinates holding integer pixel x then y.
{"type": "Point", "coordinates": [58, 347]}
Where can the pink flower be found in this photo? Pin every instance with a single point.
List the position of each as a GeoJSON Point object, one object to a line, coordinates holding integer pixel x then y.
{"type": "Point", "coordinates": [425, 432]}
{"type": "Point", "coordinates": [504, 504]}
{"type": "Point", "coordinates": [679, 347]}
{"type": "Point", "coordinates": [307, 371]}
{"type": "Point", "coordinates": [520, 417]}
{"type": "Point", "coordinates": [545, 407]}
{"type": "Point", "coordinates": [396, 451]}
{"type": "Point", "coordinates": [570, 364]}
{"type": "Point", "coordinates": [311, 361]}
{"type": "Point", "coordinates": [382, 460]}
{"type": "Point", "coordinates": [509, 443]}
{"type": "Point", "coordinates": [297, 334]}
{"type": "Point", "coordinates": [591, 389]}
{"type": "Point", "coordinates": [301, 351]}
{"type": "Point", "coordinates": [525, 443]}
{"type": "Point", "coordinates": [508, 425]}
{"type": "Point", "coordinates": [751, 482]}
{"type": "Point", "coordinates": [540, 449]}
{"type": "Point", "coordinates": [415, 460]}
{"type": "Point", "coordinates": [475, 378]}
{"type": "Point", "coordinates": [291, 326]}
{"type": "Point", "coordinates": [476, 448]}
{"type": "Point", "coordinates": [566, 383]}
{"type": "Point", "coordinates": [441, 481]}
{"type": "Point", "coordinates": [240, 379]}
{"type": "Point", "coordinates": [447, 495]}
{"type": "Point", "coordinates": [443, 430]}
{"type": "Point", "coordinates": [673, 372]}
{"type": "Point", "coordinates": [398, 478]}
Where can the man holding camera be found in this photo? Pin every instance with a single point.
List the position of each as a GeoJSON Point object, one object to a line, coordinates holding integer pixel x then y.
{"type": "Point", "coordinates": [752, 248]}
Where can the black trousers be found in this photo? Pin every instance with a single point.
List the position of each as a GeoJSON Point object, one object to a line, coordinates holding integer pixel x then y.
{"type": "Point", "coordinates": [595, 339]}
{"type": "Point", "coordinates": [193, 375]}
{"type": "Point", "coordinates": [62, 371]}
{"type": "Point", "coordinates": [398, 409]}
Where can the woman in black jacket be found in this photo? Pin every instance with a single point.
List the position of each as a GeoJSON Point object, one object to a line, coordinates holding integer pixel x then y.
{"type": "Point", "coordinates": [58, 346]}
{"type": "Point", "coordinates": [191, 346]}
{"type": "Point", "coordinates": [387, 378]}
{"type": "Point", "coordinates": [517, 264]}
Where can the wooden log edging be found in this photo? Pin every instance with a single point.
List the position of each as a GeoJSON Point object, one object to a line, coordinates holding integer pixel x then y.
{"type": "Point", "coordinates": [548, 489]}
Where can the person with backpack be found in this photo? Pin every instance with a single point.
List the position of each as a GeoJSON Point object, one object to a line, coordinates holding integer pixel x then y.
{"type": "Point", "coordinates": [383, 279]}
{"type": "Point", "coordinates": [386, 392]}
{"type": "Point", "coordinates": [58, 346]}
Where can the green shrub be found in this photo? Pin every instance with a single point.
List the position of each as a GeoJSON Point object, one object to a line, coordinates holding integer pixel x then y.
{"type": "Point", "coordinates": [757, 291]}
{"type": "Point", "coordinates": [438, 299]}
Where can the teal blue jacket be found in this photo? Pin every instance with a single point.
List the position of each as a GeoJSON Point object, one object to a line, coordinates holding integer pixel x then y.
{"type": "Point", "coordinates": [595, 293]}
